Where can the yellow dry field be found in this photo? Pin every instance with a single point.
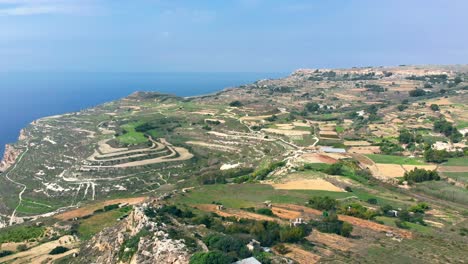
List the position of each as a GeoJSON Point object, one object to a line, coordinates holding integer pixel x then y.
{"type": "Point", "coordinates": [89, 209]}
{"type": "Point", "coordinates": [426, 167]}
{"type": "Point", "coordinates": [286, 132]}
{"type": "Point", "coordinates": [285, 126]}
{"type": "Point", "coordinates": [331, 240]}
{"type": "Point", "coordinates": [390, 170]}
{"type": "Point", "coordinates": [310, 184]}
{"type": "Point", "coordinates": [356, 143]}
{"type": "Point", "coordinates": [316, 158]}
{"type": "Point", "coordinates": [301, 124]}
{"type": "Point", "coordinates": [40, 254]}
{"type": "Point", "coordinates": [347, 97]}
{"type": "Point", "coordinates": [441, 101]}
{"type": "Point", "coordinates": [365, 150]}
{"type": "Point", "coordinates": [213, 146]}
{"type": "Point", "coordinates": [328, 133]}
{"type": "Point", "coordinates": [254, 118]}
{"type": "Point", "coordinates": [300, 255]}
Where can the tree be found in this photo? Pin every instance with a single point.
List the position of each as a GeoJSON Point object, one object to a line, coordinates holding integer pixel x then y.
{"type": "Point", "coordinates": [211, 257]}
{"type": "Point", "coordinates": [435, 107]}
{"type": "Point", "coordinates": [335, 169]}
{"type": "Point", "coordinates": [402, 107]}
{"type": "Point", "coordinates": [312, 107]}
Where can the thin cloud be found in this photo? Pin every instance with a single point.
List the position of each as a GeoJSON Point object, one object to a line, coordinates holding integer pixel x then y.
{"type": "Point", "coordinates": [43, 7]}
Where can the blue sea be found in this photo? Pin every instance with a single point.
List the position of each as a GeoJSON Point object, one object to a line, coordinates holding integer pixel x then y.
{"type": "Point", "coordinates": [25, 97]}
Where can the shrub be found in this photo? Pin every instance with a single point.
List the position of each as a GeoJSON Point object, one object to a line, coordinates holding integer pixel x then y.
{"type": "Point", "coordinates": [265, 211]}
{"type": "Point", "coordinates": [5, 253]}
{"type": "Point", "coordinates": [372, 201]}
{"type": "Point", "coordinates": [292, 234]}
{"type": "Point", "coordinates": [235, 103]}
{"type": "Point", "coordinates": [282, 249]}
{"type": "Point", "coordinates": [58, 250]}
{"type": "Point", "coordinates": [435, 107]}
{"type": "Point", "coordinates": [335, 169]}
{"type": "Point", "coordinates": [22, 247]}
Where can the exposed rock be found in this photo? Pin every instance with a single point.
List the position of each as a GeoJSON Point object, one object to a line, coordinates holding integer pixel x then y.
{"type": "Point", "coordinates": [155, 247]}
{"type": "Point", "coordinates": [9, 157]}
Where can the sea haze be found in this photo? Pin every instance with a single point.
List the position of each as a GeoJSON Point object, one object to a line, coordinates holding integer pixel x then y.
{"type": "Point", "coordinates": [29, 96]}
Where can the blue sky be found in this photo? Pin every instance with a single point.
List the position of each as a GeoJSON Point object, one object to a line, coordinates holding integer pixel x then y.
{"type": "Point", "coordinates": [228, 35]}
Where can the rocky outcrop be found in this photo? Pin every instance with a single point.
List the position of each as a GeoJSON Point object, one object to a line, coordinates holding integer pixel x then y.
{"type": "Point", "coordinates": [9, 157]}
{"type": "Point", "coordinates": [155, 246]}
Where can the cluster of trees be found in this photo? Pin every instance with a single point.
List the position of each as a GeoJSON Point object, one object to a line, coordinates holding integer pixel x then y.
{"type": "Point", "coordinates": [375, 88]}
{"type": "Point", "coordinates": [408, 137]}
{"type": "Point", "coordinates": [421, 175]}
{"type": "Point", "coordinates": [331, 224]}
{"type": "Point", "coordinates": [390, 148]}
{"type": "Point", "coordinates": [357, 210]}
{"type": "Point", "coordinates": [236, 103]}
{"type": "Point", "coordinates": [433, 78]}
{"type": "Point", "coordinates": [447, 128]}
{"type": "Point", "coordinates": [221, 177]}
{"type": "Point", "coordinates": [417, 92]}
{"type": "Point", "coordinates": [262, 173]}
{"type": "Point", "coordinates": [323, 203]}
{"type": "Point", "coordinates": [439, 156]}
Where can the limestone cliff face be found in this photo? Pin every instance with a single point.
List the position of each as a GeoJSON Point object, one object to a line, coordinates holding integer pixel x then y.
{"type": "Point", "coordinates": [155, 247]}
{"type": "Point", "coordinates": [9, 158]}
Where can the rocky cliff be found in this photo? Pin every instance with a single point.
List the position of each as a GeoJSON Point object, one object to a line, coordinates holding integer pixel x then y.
{"type": "Point", "coordinates": [9, 157]}
{"type": "Point", "coordinates": [134, 240]}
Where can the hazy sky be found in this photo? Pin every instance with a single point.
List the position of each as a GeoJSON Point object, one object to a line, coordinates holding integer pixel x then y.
{"type": "Point", "coordinates": [229, 35]}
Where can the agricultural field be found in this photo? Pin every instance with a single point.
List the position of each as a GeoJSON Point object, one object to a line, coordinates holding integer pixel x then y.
{"type": "Point", "coordinates": [370, 159]}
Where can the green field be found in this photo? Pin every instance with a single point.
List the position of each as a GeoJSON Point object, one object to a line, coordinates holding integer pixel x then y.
{"type": "Point", "coordinates": [20, 233]}
{"type": "Point", "coordinates": [247, 195]}
{"type": "Point", "coordinates": [463, 161]}
{"type": "Point", "coordinates": [339, 129]}
{"type": "Point", "coordinates": [458, 176]}
{"type": "Point", "coordinates": [391, 159]}
{"type": "Point", "coordinates": [94, 224]}
{"type": "Point", "coordinates": [131, 136]}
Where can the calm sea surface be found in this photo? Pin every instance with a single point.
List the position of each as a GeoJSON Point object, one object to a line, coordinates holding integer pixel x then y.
{"type": "Point", "coordinates": [25, 97]}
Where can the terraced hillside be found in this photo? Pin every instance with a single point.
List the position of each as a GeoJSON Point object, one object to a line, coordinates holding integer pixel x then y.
{"type": "Point", "coordinates": [385, 146]}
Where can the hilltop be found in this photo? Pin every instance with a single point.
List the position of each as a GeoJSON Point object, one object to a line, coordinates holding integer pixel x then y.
{"type": "Point", "coordinates": [335, 165]}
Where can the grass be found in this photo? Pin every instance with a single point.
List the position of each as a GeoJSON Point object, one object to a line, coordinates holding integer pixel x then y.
{"type": "Point", "coordinates": [458, 176]}
{"type": "Point", "coordinates": [30, 207]}
{"type": "Point", "coordinates": [20, 233]}
{"type": "Point", "coordinates": [391, 159]}
{"type": "Point", "coordinates": [94, 224]}
{"type": "Point", "coordinates": [339, 129]}
{"type": "Point", "coordinates": [463, 161]}
{"type": "Point", "coordinates": [462, 124]}
{"type": "Point", "coordinates": [131, 136]}
{"type": "Point", "coordinates": [249, 195]}
{"type": "Point", "coordinates": [444, 191]}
